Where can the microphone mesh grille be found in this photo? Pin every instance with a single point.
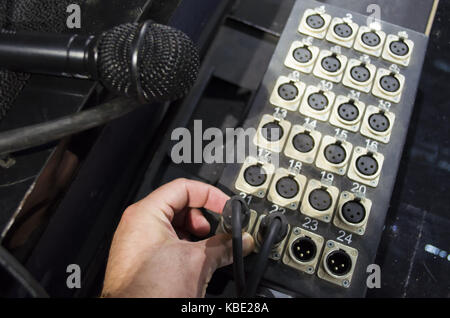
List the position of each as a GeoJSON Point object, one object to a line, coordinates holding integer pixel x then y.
{"type": "Point", "coordinates": [168, 62]}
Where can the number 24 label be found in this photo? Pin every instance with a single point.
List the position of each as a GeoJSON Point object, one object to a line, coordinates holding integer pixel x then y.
{"type": "Point", "coordinates": [344, 237]}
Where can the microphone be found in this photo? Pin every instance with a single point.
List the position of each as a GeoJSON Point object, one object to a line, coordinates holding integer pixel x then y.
{"type": "Point", "coordinates": [148, 61]}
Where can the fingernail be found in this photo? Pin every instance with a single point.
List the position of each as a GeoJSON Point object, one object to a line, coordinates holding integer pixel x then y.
{"type": "Point", "coordinates": [248, 243]}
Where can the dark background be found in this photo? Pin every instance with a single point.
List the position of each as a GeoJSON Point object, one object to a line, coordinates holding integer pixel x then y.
{"type": "Point", "coordinates": [118, 164]}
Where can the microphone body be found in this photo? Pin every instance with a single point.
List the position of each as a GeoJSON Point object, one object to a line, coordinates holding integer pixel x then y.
{"type": "Point", "coordinates": [147, 61]}
{"type": "Point", "coordinates": [53, 54]}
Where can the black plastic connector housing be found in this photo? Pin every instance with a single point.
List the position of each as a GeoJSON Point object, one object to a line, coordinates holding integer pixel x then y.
{"type": "Point", "coordinates": [228, 212]}
{"type": "Point", "coordinates": [265, 225]}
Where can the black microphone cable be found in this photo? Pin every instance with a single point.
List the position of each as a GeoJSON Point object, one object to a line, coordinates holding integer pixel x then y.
{"type": "Point", "coordinates": [238, 258]}
{"type": "Point", "coordinates": [21, 274]}
{"type": "Point", "coordinates": [273, 229]}
{"type": "Point", "coordinates": [235, 219]}
{"type": "Point", "coordinates": [263, 258]}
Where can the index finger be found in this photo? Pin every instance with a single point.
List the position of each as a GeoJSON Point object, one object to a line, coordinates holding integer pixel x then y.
{"type": "Point", "coordinates": [174, 196]}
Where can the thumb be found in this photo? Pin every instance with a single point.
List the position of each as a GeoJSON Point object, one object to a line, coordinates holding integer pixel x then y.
{"type": "Point", "coordinates": [219, 249]}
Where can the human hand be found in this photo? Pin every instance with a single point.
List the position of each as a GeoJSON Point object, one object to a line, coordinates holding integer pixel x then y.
{"type": "Point", "coordinates": [150, 255]}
